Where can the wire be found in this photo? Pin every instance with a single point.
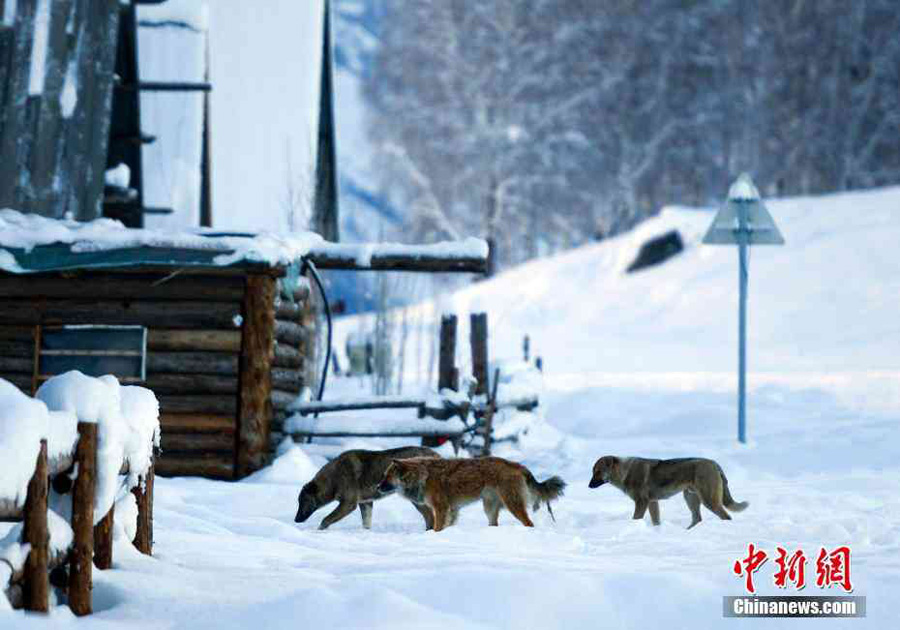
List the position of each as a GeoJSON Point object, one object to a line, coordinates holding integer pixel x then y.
{"type": "Point", "coordinates": [308, 264]}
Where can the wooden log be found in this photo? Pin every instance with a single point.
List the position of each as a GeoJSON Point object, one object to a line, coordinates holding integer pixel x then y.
{"type": "Point", "coordinates": [430, 433]}
{"type": "Point", "coordinates": [478, 339]}
{"type": "Point", "coordinates": [17, 333]}
{"type": "Point", "coordinates": [257, 354]}
{"type": "Point", "coordinates": [326, 258]}
{"type": "Point", "coordinates": [36, 588]}
{"type": "Point", "coordinates": [200, 404]}
{"type": "Point", "coordinates": [289, 380]}
{"type": "Point", "coordinates": [16, 348]}
{"type": "Point", "coordinates": [288, 357]}
{"type": "Point", "coordinates": [197, 423]}
{"type": "Point", "coordinates": [281, 399]}
{"type": "Point", "coordinates": [192, 363]}
{"type": "Point", "coordinates": [191, 465]}
{"type": "Point", "coordinates": [388, 402]}
{"type": "Point", "coordinates": [291, 311]}
{"type": "Point", "coordinates": [143, 494]}
{"type": "Point", "coordinates": [447, 373]}
{"type": "Point", "coordinates": [81, 557]}
{"type": "Point", "coordinates": [103, 540]}
{"type": "Point", "coordinates": [185, 384]}
{"type": "Point", "coordinates": [193, 340]}
{"type": "Point", "coordinates": [205, 442]}
{"type": "Point", "coordinates": [180, 314]}
{"type": "Point", "coordinates": [16, 364]}
{"type": "Point", "coordinates": [290, 333]}
{"type": "Point", "coordinates": [106, 286]}
{"type": "Point", "coordinates": [447, 356]}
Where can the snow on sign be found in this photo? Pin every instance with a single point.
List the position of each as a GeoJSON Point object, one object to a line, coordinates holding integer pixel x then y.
{"type": "Point", "coordinates": [743, 221]}
{"type": "Point", "coordinates": [744, 215]}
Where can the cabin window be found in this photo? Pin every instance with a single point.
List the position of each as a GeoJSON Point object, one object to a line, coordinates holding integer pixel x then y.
{"type": "Point", "coordinates": [94, 350]}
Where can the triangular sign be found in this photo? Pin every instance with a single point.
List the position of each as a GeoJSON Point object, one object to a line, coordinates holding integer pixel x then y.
{"type": "Point", "coordinates": [761, 228]}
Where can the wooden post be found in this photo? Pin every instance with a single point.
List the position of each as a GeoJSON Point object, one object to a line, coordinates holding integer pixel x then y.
{"type": "Point", "coordinates": [478, 339]}
{"type": "Point", "coordinates": [103, 540]}
{"type": "Point", "coordinates": [143, 539]}
{"type": "Point", "coordinates": [82, 553]}
{"type": "Point", "coordinates": [447, 357]}
{"type": "Point", "coordinates": [37, 580]}
{"type": "Point", "coordinates": [448, 376]}
{"type": "Point", "coordinates": [257, 353]}
{"type": "Point", "coordinates": [488, 424]}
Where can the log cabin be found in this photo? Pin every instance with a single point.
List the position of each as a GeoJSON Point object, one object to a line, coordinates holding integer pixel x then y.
{"type": "Point", "coordinates": [224, 335]}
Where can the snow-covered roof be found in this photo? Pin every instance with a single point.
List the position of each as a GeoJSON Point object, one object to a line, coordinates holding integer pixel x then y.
{"type": "Point", "coordinates": [32, 243]}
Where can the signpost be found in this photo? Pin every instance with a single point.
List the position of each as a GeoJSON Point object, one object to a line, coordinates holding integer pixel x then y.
{"type": "Point", "coordinates": [743, 221]}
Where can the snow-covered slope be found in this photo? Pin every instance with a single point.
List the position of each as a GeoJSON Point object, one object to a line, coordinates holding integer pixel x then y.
{"type": "Point", "coordinates": [822, 309]}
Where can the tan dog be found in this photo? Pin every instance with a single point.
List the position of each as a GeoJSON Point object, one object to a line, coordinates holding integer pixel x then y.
{"type": "Point", "coordinates": [447, 485]}
{"type": "Point", "coordinates": [647, 481]}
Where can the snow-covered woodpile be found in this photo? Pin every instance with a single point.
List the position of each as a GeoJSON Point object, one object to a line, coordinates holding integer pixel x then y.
{"type": "Point", "coordinates": [294, 365]}
{"type": "Point", "coordinates": [92, 441]}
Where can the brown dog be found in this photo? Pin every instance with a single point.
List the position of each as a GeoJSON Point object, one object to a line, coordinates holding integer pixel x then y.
{"type": "Point", "coordinates": [447, 485]}
{"type": "Point", "coordinates": [647, 481]}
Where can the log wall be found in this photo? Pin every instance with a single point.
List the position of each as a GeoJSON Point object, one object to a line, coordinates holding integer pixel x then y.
{"type": "Point", "coordinates": [209, 383]}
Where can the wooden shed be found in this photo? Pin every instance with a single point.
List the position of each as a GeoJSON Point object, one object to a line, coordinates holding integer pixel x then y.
{"type": "Point", "coordinates": [228, 346]}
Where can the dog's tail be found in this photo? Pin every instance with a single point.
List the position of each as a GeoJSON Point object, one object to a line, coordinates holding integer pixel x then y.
{"type": "Point", "coordinates": [545, 491]}
{"type": "Point", "coordinates": [728, 500]}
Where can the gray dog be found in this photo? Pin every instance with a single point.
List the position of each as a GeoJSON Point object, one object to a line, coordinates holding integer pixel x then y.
{"type": "Point", "coordinates": [647, 481]}
{"type": "Point", "coordinates": [352, 479]}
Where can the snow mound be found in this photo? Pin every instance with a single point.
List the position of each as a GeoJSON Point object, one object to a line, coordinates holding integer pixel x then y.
{"type": "Point", "coordinates": [128, 426]}
{"type": "Point", "coordinates": [294, 466]}
{"type": "Point", "coordinates": [24, 422]}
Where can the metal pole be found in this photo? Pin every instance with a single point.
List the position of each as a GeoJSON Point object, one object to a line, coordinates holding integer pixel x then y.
{"type": "Point", "coordinates": [743, 237]}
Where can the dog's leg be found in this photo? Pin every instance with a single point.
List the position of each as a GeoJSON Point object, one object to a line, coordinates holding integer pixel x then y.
{"type": "Point", "coordinates": [427, 514]}
{"type": "Point", "coordinates": [654, 512]}
{"type": "Point", "coordinates": [344, 508]}
{"type": "Point", "coordinates": [441, 513]}
{"type": "Point", "coordinates": [454, 515]}
{"type": "Point", "coordinates": [640, 506]}
{"type": "Point", "coordinates": [515, 503]}
{"type": "Point", "coordinates": [365, 510]}
{"type": "Point", "coordinates": [693, 503]}
{"type": "Point", "coordinates": [716, 508]}
{"type": "Point", "coordinates": [491, 504]}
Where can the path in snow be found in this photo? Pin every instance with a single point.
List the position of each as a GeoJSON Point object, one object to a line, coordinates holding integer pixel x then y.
{"type": "Point", "coordinates": [229, 555]}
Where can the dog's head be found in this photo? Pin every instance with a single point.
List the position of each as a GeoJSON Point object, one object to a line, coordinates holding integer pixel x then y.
{"type": "Point", "coordinates": [402, 474]}
{"type": "Point", "coordinates": [605, 469]}
{"type": "Point", "coordinates": [314, 495]}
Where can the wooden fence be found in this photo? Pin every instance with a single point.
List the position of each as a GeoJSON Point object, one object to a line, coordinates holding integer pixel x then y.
{"type": "Point", "coordinates": [91, 545]}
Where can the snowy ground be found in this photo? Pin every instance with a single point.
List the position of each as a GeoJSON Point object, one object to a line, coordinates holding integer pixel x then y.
{"type": "Point", "coordinates": [822, 467]}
